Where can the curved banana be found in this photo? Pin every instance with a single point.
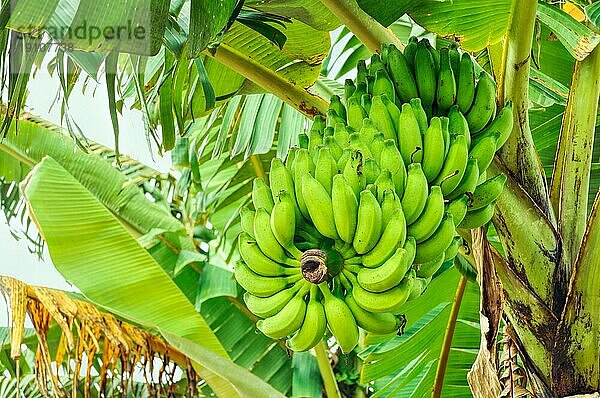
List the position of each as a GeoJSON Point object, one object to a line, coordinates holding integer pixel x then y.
{"type": "Point", "coordinates": [401, 75]}
{"type": "Point", "coordinates": [503, 124]}
{"type": "Point", "coordinates": [257, 261]}
{"type": "Point", "coordinates": [410, 50]}
{"type": "Point", "coordinates": [334, 148]}
{"type": "Point", "coordinates": [261, 195]}
{"type": "Point", "coordinates": [418, 287]}
{"type": "Point", "coordinates": [458, 208]}
{"type": "Point", "coordinates": [425, 76]}
{"type": "Point", "coordinates": [319, 206]}
{"type": "Point", "coordinates": [333, 117]}
{"type": "Point", "coordinates": [465, 91]}
{"type": "Point", "coordinates": [430, 218]}
{"type": "Point", "coordinates": [483, 150]}
{"type": "Point", "coordinates": [345, 209]}
{"type": "Point", "coordinates": [484, 104]}
{"type": "Point", "coordinates": [381, 118]}
{"type": "Point", "coordinates": [357, 144]}
{"type": "Point", "coordinates": [454, 165]}
{"type": "Point", "coordinates": [340, 320]}
{"type": "Point", "coordinates": [383, 85]}
{"type": "Point", "coordinates": [383, 183]}
{"type": "Point", "coordinates": [376, 147]}
{"type": "Point", "coordinates": [446, 85]}
{"type": "Point", "coordinates": [452, 250]}
{"type": "Point", "coordinates": [349, 89]}
{"type": "Point", "coordinates": [391, 108]}
{"type": "Point", "coordinates": [352, 172]}
{"type": "Point", "coordinates": [433, 149]}
{"type": "Point", "coordinates": [390, 273]}
{"type": "Point", "coordinates": [265, 307]}
{"type": "Point", "coordinates": [369, 224]}
{"type": "Point", "coordinates": [457, 124]}
{"type": "Point", "coordinates": [413, 200]}
{"type": "Point", "coordinates": [325, 168]}
{"type": "Point", "coordinates": [336, 104]}
{"type": "Point", "coordinates": [302, 165]}
{"type": "Point", "coordinates": [468, 181]}
{"type": "Point", "coordinates": [389, 204]}
{"type": "Point", "coordinates": [388, 301]}
{"type": "Point", "coordinates": [437, 243]}
{"type": "Point", "coordinates": [247, 221]}
{"type": "Point", "coordinates": [391, 159]}
{"type": "Point", "coordinates": [409, 136]}
{"type": "Point", "coordinates": [283, 223]}
{"type": "Point", "coordinates": [365, 102]}
{"type": "Point", "coordinates": [263, 286]}
{"type": "Point", "coordinates": [478, 218]}
{"type": "Point", "coordinates": [393, 236]}
{"type": "Point", "coordinates": [288, 319]}
{"type": "Point", "coordinates": [266, 239]}
{"type": "Point", "coordinates": [420, 114]}
{"type": "Point", "coordinates": [355, 112]}
{"type": "Point", "coordinates": [428, 269]}
{"type": "Point", "coordinates": [371, 171]}
{"type": "Point", "coordinates": [341, 135]}
{"type": "Point", "coordinates": [487, 192]}
{"type": "Point", "coordinates": [313, 327]}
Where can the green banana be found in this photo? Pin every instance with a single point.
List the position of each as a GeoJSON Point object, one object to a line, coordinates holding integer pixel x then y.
{"type": "Point", "coordinates": [383, 182]}
{"type": "Point", "coordinates": [355, 113]}
{"type": "Point", "coordinates": [430, 218]}
{"type": "Point", "coordinates": [382, 323]}
{"type": "Point", "coordinates": [388, 301]}
{"type": "Point", "coordinates": [247, 221]}
{"type": "Point", "coordinates": [391, 108]}
{"type": "Point", "coordinates": [425, 77]}
{"type": "Point", "coordinates": [336, 104]}
{"type": "Point", "coordinates": [365, 102]}
{"type": "Point", "coordinates": [446, 133]}
{"type": "Point", "coordinates": [265, 307]}
{"type": "Point", "coordinates": [433, 149]}
{"type": "Point", "coordinates": [457, 124]}
{"type": "Point", "coordinates": [376, 147]}
{"type": "Point", "coordinates": [420, 114]}
{"type": "Point", "coordinates": [370, 83]}
{"type": "Point", "coordinates": [261, 195]}
{"type": "Point", "coordinates": [345, 209]}
{"type": "Point", "coordinates": [454, 165]}
{"type": "Point", "coordinates": [389, 204]}
{"type": "Point", "coordinates": [393, 236]}
{"type": "Point", "coordinates": [478, 218]}
{"type": "Point", "coordinates": [319, 206]}
{"type": "Point", "coordinates": [435, 54]}
{"type": "Point", "coordinates": [503, 124]}
{"type": "Point", "coordinates": [353, 173]}
{"type": "Point", "coordinates": [418, 287]}
{"type": "Point", "coordinates": [401, 75]}
{"type": "Point", "coordinates": [313, 327]}
{"type": "Point", "coordinates": [325, 168]}
{"type": "Point", "coordinates": [383, 85]}
{"type": "Point", "coordinates": [437, 243]}
{"type": "Point", "coordinates": [468, 181]}
{"type": "Point", "coordinates": [358, 145]}
{"type": "Point", "coordinates": [361, 72]}
{"type": "Point", "coordinates": [333, 117]}
{"type": "Point", "coordinates": [413, 200]}
{"type": "Point", "coordinates": [266, 239]}
{"type": "Point", "coordinates": [303, 141]}
{"type": "Point", "coordinates": [410, 50]}
{"type": "Point", "coordinates": [340, 320]}
{"type": "Point", "coordinates": [303, 164]}
{"type": "Point", "coordinates": [361, 89]}
{"type": "Point", "coordinates": [371, 171]}
{"type": "Point", "coordinates": [465, 92]}
{"type": "Point", "coordinates": [262, 286]}
{"type": "Point", "coordinates": [257, 261]}
{"type": "Point", "coordinates": [426, 270]}
{"type": "Point", "coordinates": [346, 154]}
{"type": "Point", "coordinates": [391, 159]}
{"type": "Point", "coordinates": [349, 89]}
{"type": "Point", "coordinates": [458, 208]}
{"type": "Point", "coordinates": [446, 85]}
{"type": "Point", "coordinates": [369, 224]}
{"type": "Point", "coordinates": [454, 61]}
{"type": "Point", "coordinates": [341, 135]}
{"type": "Point", "coordinates": [409, 136]}
{"type": "Point", "coordinates": [487, 192]}
{"type": "Point", "coordinates": [484, 104]}
{"type": "Point", "coordinates": [335, 149]}
{"type": "Point", "coordinates": [314, 140]}
{"type": "Point", "coordinates": [375, 65]}
{"type": "Point", "coordinates": [283, 223]}
{"type": "Point", "coordinates": [280, 179]}
{"type": "Point", "coordinates": [286, 321]}
{"type": "Point", "coordinates": [483, 150]}
{"type": "Point", "coordinates": [382, 119]}
{"type": "Point", "coordinates": [390, 273]}
{"type": "Point", "coordinates": [452, 250]}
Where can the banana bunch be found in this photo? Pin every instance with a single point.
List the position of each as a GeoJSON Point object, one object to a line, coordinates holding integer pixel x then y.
{"type": "Point", "coordinates": [365, 211]}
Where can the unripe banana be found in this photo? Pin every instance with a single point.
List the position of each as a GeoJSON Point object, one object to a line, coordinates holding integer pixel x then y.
{"type": "Point", "coordinates": [319, 206]}
{"type": "Point", "coordinates": [361, 71]}
{"type": "Point", "coordinates": [263, 286]}
{"type": "Point", "coordinates": [365, 102]}
{"type": "Point", "coordinates": [288, 320]}
{"type": "Point", "coordinates": [334, 148]}
{"type": "Point", "coordinates": [280, 179]}
{"type": "Point", "coordinates": [357, 144]}
{"type": "Point", "coordinates": [383, 182]}
{"type": "Point", "coordinates": [401, 75]}
{"type": "Point", "coordinates": [426, 270]}
{"type": "Point", "coordinates": [430, 218]}
{"type": "Point", "coordinates": [483, 150]}
{"type": "Point", "coordinates": [265, 307]}
{"type": "Point", "coordinates": [247, 221]}
{"type": "Point", "coordinates": [340, 320]}
{"type": "Point", "coordinates": [257, 261]}
{"type": "Point", "coordinates": [446, 133]}
{"type": "Point", "coordinates": [478, 218]}
{"type": "Point", "coordinates": [457, 124]}
{"type": "Point", "coordinates": [420, 114]}
{"type": "Point", "coordinates": [435, 54]}
{"type": "Point", "coordinates": [341, 135]}
{"type": "Point", "coordinates": [409, 136]}
{"type": "Point", "coordinates": [454, 165]}
{"type": "Point", "coordinates": [452, 250]}
{"type": "Point", "coordinates": [266, 239]}
{"type": "Point", "coordinates": [410, 50]}
{"type": "Point", "coordinates": [389, 204]}
{"type": "Point", "coordinates": [388, 301]}
{"type": "Point", "coordinates": [391, 108]}
{"type": "Point", "coordinates": [454, 61]}
{"type": "Point", "coordinates": [487, 192]}
{"type": "Point", "coordinates": [376, 147]}
{"type": "Point", "coordinates": [446, 85]}
{"type": "Point", "coordinates": [382, 119]}
{"type": "Point", "coordinates": [466, 83]}
{"type": "Point", "coordinates": [468, 182]}
{"type": "Point", "coordinates": [349, 88]}
{"type": "Point", "coordinates": [484, 104]}
{"type": "Point", "coordinates": [261, 195]}
{"type": "Point", "coordinates": [361, 89]}
{"type": "Point", "coordinates": [303, 141]}
{"type": "Point", "coordinates": [458, 208]}
{"type": "Point", "coordinates": [341, 163]}
{"type": "Point", "coordinates": [375, 65]}
{"type": "Point", "coordinates": [391, 159]}
{"type": "Point", "coordinates": [390, 273]}
{"type": "Point", "coordinates": [333, 117]}
{"type": "Point", "coordinates": [283, 223]}
{"type": "Point", "coordinates": [502, 124]}
{"type": "Point", "coordinates": [355, 112]}
{"type": "Point", "coordinates": [413, 200]}
{"type": "Point", "coordinates": [368, 131]}
{"type": "Point", "coordinates": [383, 85]}
{"type": "Point", "coordinates": [345, 209]}
{"type": "Point", "coordinates": [437, 243]}
{"type": "Point", "coordinates": [433, 150]}
{"type": "Point", "coordinates": [353, 173]}
{"type": "Point", "coordinates": [314, 140]}
{"type": "Point", "coordinates": [393, 236]}
{"type": "Point", "coordinates": [337, 106]}
{"type": "Point", "coordinates": [313, 327]}
{"type": "Point", "coordinates": [425, 77]}
{"type": "Point", "coordinates": [370, 83]}
{"type": "Point", "coordinates": [369, 224]}
{"type": "Point", "coordinates": [418, 287]}
{"type": "Point", "coordinates": [383, 323]}
{"type": "Point", "coordinates": [371, 171]}
{"type": "Point", "coordinates": [325, 168]}
{"type": "Point", "coordinates": [303, 164]}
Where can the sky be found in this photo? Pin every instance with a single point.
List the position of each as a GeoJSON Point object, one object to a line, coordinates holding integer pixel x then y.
{"type": "Point", "coordinates": [90, 112]}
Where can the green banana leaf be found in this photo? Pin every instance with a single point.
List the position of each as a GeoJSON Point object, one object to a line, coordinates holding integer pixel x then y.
{"type": "Point", "coordinates": [94, 252]}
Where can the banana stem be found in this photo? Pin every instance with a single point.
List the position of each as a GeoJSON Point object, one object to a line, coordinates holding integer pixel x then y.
{"type": "Point", "coordinates": [329, 382]}
{"type": "Point", "coordinates": [370, 32]}
{"type": "Point", "coordinates": [258, 168]}
{"type": "Point", "coordinates": [296, 96]}
{"type": "Point", "coordinates": [447, 344]}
